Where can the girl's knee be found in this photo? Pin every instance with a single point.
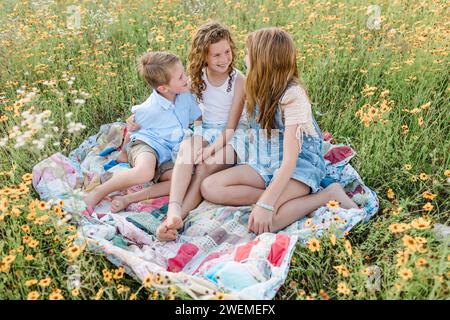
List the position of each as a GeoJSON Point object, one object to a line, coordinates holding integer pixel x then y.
{"type": "Point", "coordinates": [208, 188]}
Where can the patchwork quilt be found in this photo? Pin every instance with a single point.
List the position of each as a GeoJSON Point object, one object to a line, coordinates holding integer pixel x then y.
{"type": "Point", "coordinates": [214, 252]}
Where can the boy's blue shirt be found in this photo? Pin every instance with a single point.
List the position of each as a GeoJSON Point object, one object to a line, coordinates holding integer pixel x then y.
{"type": "Point", "coordinates": [163, 123]}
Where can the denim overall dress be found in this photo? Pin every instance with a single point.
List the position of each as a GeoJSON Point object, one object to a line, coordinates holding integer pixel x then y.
{"type": "Point", "coordinates": [265, 155]}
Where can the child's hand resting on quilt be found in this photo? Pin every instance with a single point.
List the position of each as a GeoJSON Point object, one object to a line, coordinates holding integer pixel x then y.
{"type": "Point", "coordinates": [131, 124]}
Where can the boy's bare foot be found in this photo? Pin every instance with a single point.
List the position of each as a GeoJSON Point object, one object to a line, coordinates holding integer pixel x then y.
{"type": "Point", "coordinates": [337, 193]}
{"type": "Point", "coordinates": [163, 233]}
{"type": "Point", "coordinates": [91, 199]}
{"type": "Point", "coordinates": [119, 203]}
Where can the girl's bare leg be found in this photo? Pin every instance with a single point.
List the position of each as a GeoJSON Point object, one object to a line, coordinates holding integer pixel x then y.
{"type": "Point", "coordinates": [181, 178]}
{"type": "Point", "coordinates": [241, 185]}
{"type": "Point", "coordinates": [193, 195]}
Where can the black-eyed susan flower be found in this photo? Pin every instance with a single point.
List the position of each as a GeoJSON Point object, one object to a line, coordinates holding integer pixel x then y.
{"type": "Point", "coordinates": [147, 283]}
{"type": "Point", "coordinates": [133, 296]}
{"type": "Point", "coordinates": [118, 273]}
{"type": "Point", "coordinates": [33, 295]}
{"type": "Point", "coordinates": [405, 273]}
{"type": "Point", "coordinates": [348, 247]}
{"type": "Point", "coordinates": [342, 288]}
{"type": "Point", "coordinates": [313, 245]}
{"type": "Point", "coordinates": [99, 294]}
{"type": "Point", "coordinates": [421, 262]}
{"type": "Point", "coordinates": [428, 195]}
{"type": "Point", "coordinates": [45, 282]}
{"type": "Point", "coordinates": [333, 239]}
{"type": "Point", "coordinates": [428, 206]}
{"type": "Point", "coordinates": [420, 223]}
{"type": "Point", "coordinates": [398, 227]}
{"type": "Point", "coordinates": [75, 292]}
{"type": "Point", "coordinates": [409, 243]}
{"type": "Point", "coordinates": [333, 205]}
{"type": "Point", "coordinates": [390, 194]}
{"type": "Point", "coordinates": [423, 176]}
{"type": "Point", "coordinates": [30, 282]}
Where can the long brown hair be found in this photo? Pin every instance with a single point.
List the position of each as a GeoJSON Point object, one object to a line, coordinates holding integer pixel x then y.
{"type": "Point", "coordinates": [273, 67]}
{"type": "Point", "coordinates": [206, 35]}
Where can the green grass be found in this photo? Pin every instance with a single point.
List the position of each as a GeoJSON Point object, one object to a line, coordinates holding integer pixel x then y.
{"type": "Point", "coordinates": [338, 57]}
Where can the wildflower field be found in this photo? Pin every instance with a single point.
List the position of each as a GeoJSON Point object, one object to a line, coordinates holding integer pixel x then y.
{"type": "Point", "coordinates": [377, 74]}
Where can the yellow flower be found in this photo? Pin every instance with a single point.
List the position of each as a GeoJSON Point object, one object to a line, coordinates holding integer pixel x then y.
{"type": "Point", "coordinates": [27, 177]}
{"type": "Point", "coordinates": [308, 223]}
{"type": "Point", "coordinates": [159, 38]}
{"type": "Point", "coordinates": [342, 288]}
{"type": "Point", "coordinates": [3, 204]}
{"type": "Point", "coordinates": [118, 274]}
{"type": "Point", "coordinates": [420, 121]}
{"type": "Point", "coordinates": [428, 195]}
{"type": "Point", "coordinates": [420, 240]}
{"type": "Point", "coordinates": [447, 173]}
{"type": "Point", "coordinates": [33, 295]}
{"type": "Point", "coordinates": [9, 259]}
{"type": "Point", "coordinates": [31, 282]}
{"type": "Point", "coordinates": [421, 262]}
{"type": "Point", "coordinates": [266, 19]}
{"type": "Point", "coordinates": [123, 289]}
{"type": "Point", "coordinates": [341, 269]}
{"type": "Point", "coordinates": [25, 228]}
{"type": "Point", "coordinates": [405, 273]}
{"type": "Point", "coordinates": [75, 292]}
{"type": "Point", "coordinates": [420, 223]}
{"type": "Point", "coordinates": [148, 281]}
{"type": "Point", "coordinates": [333, 239]}
{"type": "Point", "coordinates": [99, 294]}
{"type": "Point", "coordinates": [66, 141]}
{"type": "Point", "coordinates": [423, 176]}
{"type": "Point", "coordinates": [428, 206]}
{"type": "Point", "coordinates": [219, 295]}
{"type": "Point", "coordinates": [398, 227]}
{"type": "Point", "coordinates": [410, 243]}
{"type": "Point", "coordinates": [348, 247]}
{"type": "Point", "coordinates": [133, 296]}
{"type": "Point", "coordinates": [313, 245]}
{"type": "Point", "coordinates": [73, 251]}
{"type": "Point", "coordinates": [45, 282]}
{"type": "Point", "coordinates": [33, 243]}
{"type": "Point", "coordinates": [333, 205]}
{"type": "Point", "coordinates": [390, 194]}
{"type": "Point", "coordinates": [55, 296]}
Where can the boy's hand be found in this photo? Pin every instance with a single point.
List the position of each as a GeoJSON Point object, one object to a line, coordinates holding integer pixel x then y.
{"type": "Point", "coordinates": [131, 124]}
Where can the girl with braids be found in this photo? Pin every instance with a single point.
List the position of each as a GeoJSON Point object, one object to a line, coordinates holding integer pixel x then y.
{"type": "Point", "coordinates": [281, 168]}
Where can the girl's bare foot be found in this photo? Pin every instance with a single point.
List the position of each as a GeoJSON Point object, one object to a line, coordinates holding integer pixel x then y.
{"type": "Point", "coordinates": [337, 193]}
{"type": "Point", "coordinates": [119, 203]}
{"type": "Point", "coordinates": [163, 233]}
{"type": "Point", "coordinates": [174, 220]}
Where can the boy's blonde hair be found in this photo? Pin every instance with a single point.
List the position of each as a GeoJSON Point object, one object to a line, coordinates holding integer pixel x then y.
{"type": "Point", "coordinates": [153, 66]}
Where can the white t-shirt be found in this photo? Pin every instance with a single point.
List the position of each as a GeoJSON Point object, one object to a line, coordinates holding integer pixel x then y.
{"type": "Point", "coordinates": [216, 105]}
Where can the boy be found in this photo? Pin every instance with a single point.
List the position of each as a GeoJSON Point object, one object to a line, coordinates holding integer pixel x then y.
{"type": "Point", "coordinates": [163, 119]}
